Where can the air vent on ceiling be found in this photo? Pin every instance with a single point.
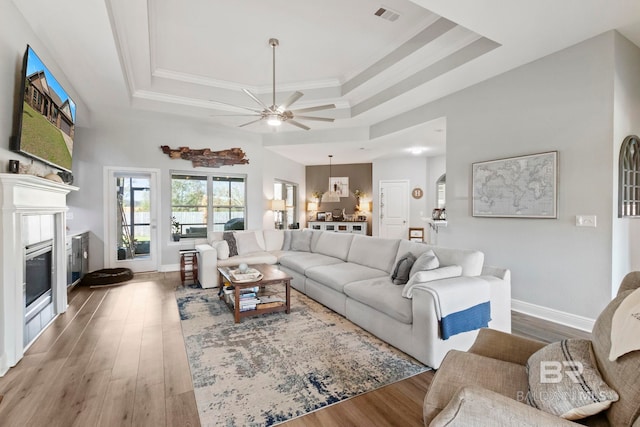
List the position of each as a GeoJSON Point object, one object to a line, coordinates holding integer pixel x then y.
{"type": "Point", "coordinates": [388, 14]}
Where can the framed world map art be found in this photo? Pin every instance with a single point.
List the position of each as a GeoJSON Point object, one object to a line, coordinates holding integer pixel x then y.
{"type": "Point", "coordinates": [517, 187]}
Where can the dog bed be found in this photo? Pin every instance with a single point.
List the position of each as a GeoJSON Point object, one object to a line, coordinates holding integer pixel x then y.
{"type": "Point", "coordinates": [107, 276]}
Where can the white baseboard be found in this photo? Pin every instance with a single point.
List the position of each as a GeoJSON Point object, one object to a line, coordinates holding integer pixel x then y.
{"type": "Point", "coordinates": [552, 315]}
{"type": "Point", "coordinates": [168, 268]}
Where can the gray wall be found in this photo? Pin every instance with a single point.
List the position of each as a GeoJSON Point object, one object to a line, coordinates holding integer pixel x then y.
{"type": "Point", "coordinates": [562, 102]}
{"type": "Point", "coordinates": [317, 179]}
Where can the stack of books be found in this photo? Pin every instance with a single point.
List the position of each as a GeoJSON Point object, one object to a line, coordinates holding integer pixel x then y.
{"type": "Point", "coordinates": [248, 297]}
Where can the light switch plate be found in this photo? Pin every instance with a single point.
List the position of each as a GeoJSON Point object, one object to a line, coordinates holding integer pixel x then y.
{"type": "Point", "coordinates": [585, 220]}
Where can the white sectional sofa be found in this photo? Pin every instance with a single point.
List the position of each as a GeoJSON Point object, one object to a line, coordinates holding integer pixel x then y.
{"type": "Point", "coordinates": [351, 274]}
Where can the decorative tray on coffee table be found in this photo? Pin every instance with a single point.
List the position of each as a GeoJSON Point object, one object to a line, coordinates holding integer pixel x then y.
{"type": "Point", "coordinates": [250, 275]}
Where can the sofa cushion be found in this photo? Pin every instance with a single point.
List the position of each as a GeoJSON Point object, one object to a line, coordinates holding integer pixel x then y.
{"type": "Point", "coordinates": [231, 240]}
{"type": "Point", "coordinates": [471, 261]}
{"type": "Point", "coordinates": [247, 242]}
{"type": "Point", "coordinates": [334, 244]}
{"type": "Point", "coordinates": [273, 240]}
{"type": "Point", "coordinates": [567, 371]}
{"type": "Point", "coordinates": [336, 276]}
{"type": "Point", "coordinates": [382, 295]}
{"type": "Point", "coordinates": [301, 261]}
{"type": "Point", "coordinates": [425, 262]}
{"type": "Point", "coordinates": [374, 252]}
{"type": "Point", "coordinates": [214, 236]}
{"type": "Point", "coordinates": [301, 241]}
{"type": "Point", "coordinates": [222, 248]}
{"type": "Point", "coordinates": [508, 379]}
{"type": "Point", "coordinates": [402, 270]}
{"type": "Point", "coordinates": [252, 258]}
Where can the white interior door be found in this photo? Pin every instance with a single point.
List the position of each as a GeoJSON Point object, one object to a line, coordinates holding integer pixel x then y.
{"type": "Point", "coordinates": [131, 203]}
{"type": "Point", "coordinates": [394, 209]}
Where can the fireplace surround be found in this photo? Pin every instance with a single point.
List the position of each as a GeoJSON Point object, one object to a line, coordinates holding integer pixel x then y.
{"type": "Point", "coordinates": [33, 213]}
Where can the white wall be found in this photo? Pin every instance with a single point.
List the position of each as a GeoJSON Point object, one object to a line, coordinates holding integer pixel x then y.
{"type": "Point", "coordinates": [134, 139]}
{"type": "Point", "coordinates": [278, 167]}
{"type": "Point", "coordinates": [562, 102]}
{"type": "Point", "coordinates": [625, 256]}
{"type": "Point", "coordinates": [15, 34]}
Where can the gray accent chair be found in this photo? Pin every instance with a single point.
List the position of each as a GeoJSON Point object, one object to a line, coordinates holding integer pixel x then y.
{"type": "Point", "coordinates": [481, 387]}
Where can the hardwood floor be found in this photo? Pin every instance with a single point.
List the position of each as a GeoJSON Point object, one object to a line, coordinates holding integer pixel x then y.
{"type": "Point", "coordinates": [117, 358]}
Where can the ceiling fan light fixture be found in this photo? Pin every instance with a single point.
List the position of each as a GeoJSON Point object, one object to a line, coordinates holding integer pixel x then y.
{"type": "Point", "coordinates": [274, 120]}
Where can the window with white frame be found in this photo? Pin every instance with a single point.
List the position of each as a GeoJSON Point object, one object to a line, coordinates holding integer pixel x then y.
{"type": "Point", "coordinates": [201, 202]}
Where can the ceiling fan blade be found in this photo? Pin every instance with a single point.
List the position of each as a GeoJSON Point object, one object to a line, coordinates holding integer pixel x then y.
{"type": "Point", "coordinates": [293, 98]}
{"type": "Point", "coordinates": [235, 115]}
{"type": "Point", "coordinates": [248, 123]}
{"type": "Point", "coordinates": [255, 110]}
{"type": "Point", "coordinates": [252, 96]}
{"type": "Point", "coordinates": [300, 125]}
{"type": "Point", "coordinates": [310, 109]}
{"type": "Point", "coordinates": [320, 119]}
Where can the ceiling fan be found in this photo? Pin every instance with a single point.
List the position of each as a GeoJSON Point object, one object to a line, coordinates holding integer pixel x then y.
{"type": "Point", "coordinates": [275, 114]}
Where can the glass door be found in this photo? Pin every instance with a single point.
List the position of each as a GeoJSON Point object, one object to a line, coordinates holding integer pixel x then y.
{"type": "Point", "coordinates": [132, 218]}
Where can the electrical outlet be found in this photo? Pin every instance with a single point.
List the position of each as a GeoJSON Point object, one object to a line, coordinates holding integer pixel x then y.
{"type": "Point", "coordinates": [585, 220]}
{"type": "Point", "coordinates": [69, 215]}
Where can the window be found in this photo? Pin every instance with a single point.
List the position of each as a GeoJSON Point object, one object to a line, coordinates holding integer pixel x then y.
{"type": "Point", "coordinates": [629, 178]}
{"type": "Point", "coordinates": [441, 185]}
{"type": "Point", "coordinates": [202, 202]}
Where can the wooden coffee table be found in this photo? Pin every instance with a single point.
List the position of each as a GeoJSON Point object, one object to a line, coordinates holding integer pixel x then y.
{"type": "Point", "coordinates": [270, 276]}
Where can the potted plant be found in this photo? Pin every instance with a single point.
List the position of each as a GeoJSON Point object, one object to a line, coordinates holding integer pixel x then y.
{"type": "Point", "coordinates": [175, 229]}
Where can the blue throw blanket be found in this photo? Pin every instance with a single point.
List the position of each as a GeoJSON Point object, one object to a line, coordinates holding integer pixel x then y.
{"type": "Point", "coordinates": [469, 319]}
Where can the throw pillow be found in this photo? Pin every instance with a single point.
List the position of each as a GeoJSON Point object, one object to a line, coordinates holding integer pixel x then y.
{"type": "Point", "coordinates": [301, 241]}
{"type": "Point", "coordinates": [426, 261]}
{"type": "Point", "coordinates": [400, 275]}
{"type": "Point", "coordinates": [286, 245]}
{"type": "Point", "coordinates": [247, 242]}
{"type": "Point", "coordinates": [564, 381]}
{"type": "Point", "coordinates": [231, 241]}
{"type": "Point", "coordinates": [222, 249]}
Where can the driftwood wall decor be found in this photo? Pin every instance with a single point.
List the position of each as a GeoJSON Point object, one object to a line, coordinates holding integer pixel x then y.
{"type": "Point", "coordinates": [207, 158]}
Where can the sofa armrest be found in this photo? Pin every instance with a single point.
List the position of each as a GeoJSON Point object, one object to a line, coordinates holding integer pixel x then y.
{"type": "Point", "coordinates": [207, 266]}
{"type": "Point", "coordinates": [502, 346]}
{"type": "Point", "coordinates": [429, 276]}
{"type": "Point", "coordinates": [479, 407]}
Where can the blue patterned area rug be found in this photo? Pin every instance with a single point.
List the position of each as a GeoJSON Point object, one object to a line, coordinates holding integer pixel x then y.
{"type": "Point", "coordinates": [274, 367]}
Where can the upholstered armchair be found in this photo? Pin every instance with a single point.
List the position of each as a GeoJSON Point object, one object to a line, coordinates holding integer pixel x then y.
{"type": "Point", "coordinates": [488, 385]}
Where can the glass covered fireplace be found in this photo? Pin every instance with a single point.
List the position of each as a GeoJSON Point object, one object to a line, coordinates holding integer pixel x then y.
{"type": "Point", "coordinates": [38, 279]}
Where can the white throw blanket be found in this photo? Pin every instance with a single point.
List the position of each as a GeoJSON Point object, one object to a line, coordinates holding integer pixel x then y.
{"type": "Point", "coordinates": [625, 326]}
{"type": "Point", "coordinates": [456, 294]}
{"type": "Point", "coordinates": [461, 304]}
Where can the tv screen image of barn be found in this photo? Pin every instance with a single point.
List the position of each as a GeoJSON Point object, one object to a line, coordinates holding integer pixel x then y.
{"type": "Point", "coordinates": [48, 116]}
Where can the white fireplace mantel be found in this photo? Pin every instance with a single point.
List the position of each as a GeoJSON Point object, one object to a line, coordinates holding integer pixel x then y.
{"type": "Point", "coordinates": [26, 195]}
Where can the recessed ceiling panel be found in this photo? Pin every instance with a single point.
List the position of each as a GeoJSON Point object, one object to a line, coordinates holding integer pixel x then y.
{"type": "Point", "coordinates": [319, 40]}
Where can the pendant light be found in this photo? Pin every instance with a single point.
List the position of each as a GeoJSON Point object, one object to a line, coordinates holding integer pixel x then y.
{"type": "Point", "coordinates": [331, 196]}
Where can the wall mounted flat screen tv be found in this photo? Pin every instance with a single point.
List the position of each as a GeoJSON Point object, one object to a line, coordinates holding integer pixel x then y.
{"type": "Point", "coordinates": [46, 116]}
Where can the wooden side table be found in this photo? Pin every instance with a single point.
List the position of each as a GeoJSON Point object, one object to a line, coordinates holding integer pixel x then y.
{"type": "Point", "coordinates": [189, 266]}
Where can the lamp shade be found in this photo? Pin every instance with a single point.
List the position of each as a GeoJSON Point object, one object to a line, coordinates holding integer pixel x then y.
{"type": "Point", "coordinates": [277, 205]}
{"type": "Point", "coordinates": [312, 206]}
{"type": "Point", "coordinates": [330, 197]}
